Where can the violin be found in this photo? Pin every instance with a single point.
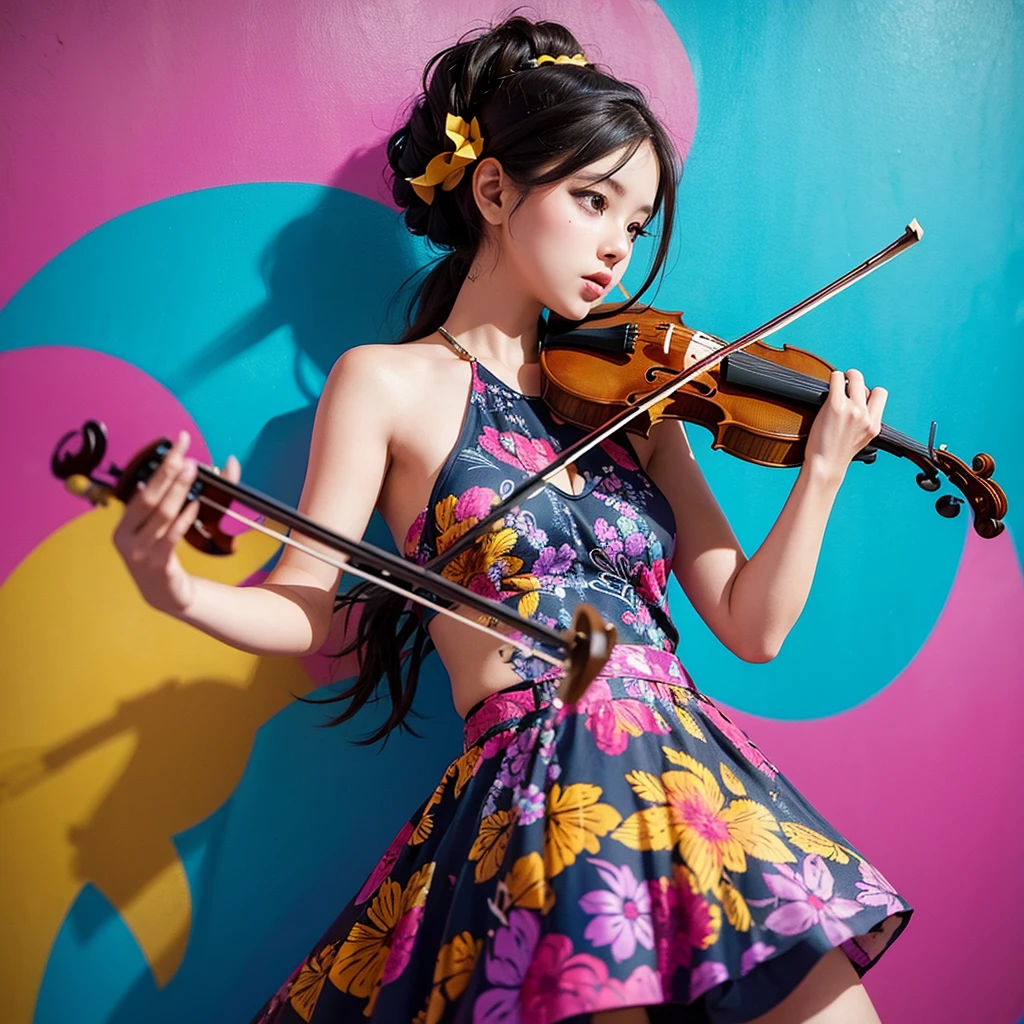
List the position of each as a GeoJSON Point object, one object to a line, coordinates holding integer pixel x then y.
{"type": "Point", "coordinates": [581, 651]}
{"type": "Point", "coordinates": [758, 404]}
{"type": "Point", "coordinates": [758, 401]}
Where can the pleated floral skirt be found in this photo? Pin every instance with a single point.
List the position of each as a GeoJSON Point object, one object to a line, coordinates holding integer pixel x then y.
{"type": "Point", "coordinates": [633, 849]}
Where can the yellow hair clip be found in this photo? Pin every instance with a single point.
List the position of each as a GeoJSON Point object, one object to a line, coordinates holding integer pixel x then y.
{"type": "Point", "coordinates": [576, 58]}
{"type": "Point", "coordinates": [446, 169]}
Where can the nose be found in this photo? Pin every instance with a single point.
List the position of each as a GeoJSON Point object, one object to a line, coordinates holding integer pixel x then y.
{"type": "Point", "coordinates": [616, 246]}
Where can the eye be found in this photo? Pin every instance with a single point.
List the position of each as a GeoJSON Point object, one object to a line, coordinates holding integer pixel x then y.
{"type": "Point", "coordinates": [638, 231]}
{"type": "Point", "coordinates": [587, 196]}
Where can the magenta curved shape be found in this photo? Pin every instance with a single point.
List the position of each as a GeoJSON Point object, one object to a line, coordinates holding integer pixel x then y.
{"type": "Point", "coordinates": [107, 114]}
{"type": "Point", "coordinates": [926, 778]}
{"type": "Point", "coordinates": [47, 391]}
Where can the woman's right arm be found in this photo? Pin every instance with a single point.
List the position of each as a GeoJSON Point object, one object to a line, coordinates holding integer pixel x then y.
{"type": "Point", "coordinates": [290, 612]}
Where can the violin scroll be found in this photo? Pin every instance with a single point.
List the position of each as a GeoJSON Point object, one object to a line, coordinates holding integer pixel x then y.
{"type": "Point", "coordinates": [76, 469]}
{"type": "Point", "coordinates": [590, 641]}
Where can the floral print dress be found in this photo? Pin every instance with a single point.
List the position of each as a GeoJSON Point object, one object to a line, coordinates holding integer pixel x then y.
{"type": "Point", "coordinates": [633, 849]}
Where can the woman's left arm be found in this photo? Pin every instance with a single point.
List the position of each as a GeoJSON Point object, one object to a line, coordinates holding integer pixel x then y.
{"type": "Point", "coordinates": [752, 604]}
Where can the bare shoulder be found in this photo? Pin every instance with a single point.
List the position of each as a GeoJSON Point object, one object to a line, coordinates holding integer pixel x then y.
{"type": "Point", "coordinates": [382, 375]}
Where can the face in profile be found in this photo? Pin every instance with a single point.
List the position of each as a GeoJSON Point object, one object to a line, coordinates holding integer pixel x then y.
{"type": "Point", "coordinates": [569, 243]}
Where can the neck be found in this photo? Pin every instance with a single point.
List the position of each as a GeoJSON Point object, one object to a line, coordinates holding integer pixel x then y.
{"type": "Point", "coordinates": [493, 317]}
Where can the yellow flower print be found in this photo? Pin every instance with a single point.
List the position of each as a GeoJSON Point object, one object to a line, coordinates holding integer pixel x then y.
{"type": "Point", "coordinates": [575, 820]}
{"type": "Point", "coordinates": [693, 816]}
{"type": "Point", "coordinates": [806, 839]}
{"type": "Point", "coordinates": [452, 971]}
{"type": "Point", "coordinates": [488, 569]}
{"type": "Point", "coordinates": [491, 842]}
{"type": "Point", "coordinates": [689, 723]}
{"type": "Point", "coordinates": [526, 886]}
{"type": "Point", "coordinates": [363, 955]}
{"type": "Point", "coordinates": [305, 990]}
{"type": "Point", "coordinates": [736, 910]}
{"type": "Point", "coordinates": [462, 771]}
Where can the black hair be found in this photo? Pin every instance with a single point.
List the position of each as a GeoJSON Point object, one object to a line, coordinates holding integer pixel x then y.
{"type": "Point", "coordinates": [542, 122]}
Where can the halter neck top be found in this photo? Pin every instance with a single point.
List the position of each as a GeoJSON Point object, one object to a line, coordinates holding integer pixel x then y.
{"type": "Point", "coordinates": [609, 546]}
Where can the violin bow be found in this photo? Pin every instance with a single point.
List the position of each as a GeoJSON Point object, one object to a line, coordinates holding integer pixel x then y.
{"type": "Point", "coordinates": [581, 651]}
{"type": "Point", "coordinates": [533, 485]}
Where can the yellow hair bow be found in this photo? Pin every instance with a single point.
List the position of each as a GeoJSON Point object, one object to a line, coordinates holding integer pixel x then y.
{"type": "Point", "coordinates": [446, 169]}
{"type": "Point", "coordinates": [576, 58]}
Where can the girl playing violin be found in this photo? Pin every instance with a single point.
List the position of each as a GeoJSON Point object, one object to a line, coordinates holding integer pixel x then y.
{"type": "Point", "coordinates": [632, 857]}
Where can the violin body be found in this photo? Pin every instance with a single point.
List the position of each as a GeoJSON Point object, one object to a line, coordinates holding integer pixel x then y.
{"type": "Point", "coordinates": [586, 387]}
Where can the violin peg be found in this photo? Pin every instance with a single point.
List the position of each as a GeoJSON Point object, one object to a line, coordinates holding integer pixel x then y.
{"type": "Point", "coordinates": [928, 481]}
{"type": "Point", "coordinates": [82, 487]}
{"type": "Point", "coordinates": [948, 506]}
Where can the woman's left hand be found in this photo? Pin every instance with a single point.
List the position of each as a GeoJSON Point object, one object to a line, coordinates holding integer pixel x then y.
{"type": "Point", "coordinates": [846, 423]}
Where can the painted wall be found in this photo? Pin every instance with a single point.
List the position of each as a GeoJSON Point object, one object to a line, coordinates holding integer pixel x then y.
{"type": "Point", "coordinates": [193, 226]}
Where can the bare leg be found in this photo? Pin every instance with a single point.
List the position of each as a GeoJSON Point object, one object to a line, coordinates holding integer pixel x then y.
{"type": "Point", "coordinates": [830, 994]}
{"type": "Point", "coordinates": [633, 1015]}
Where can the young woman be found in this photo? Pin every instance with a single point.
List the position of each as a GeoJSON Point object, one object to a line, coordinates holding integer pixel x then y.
{"type": "Point", "coordinates": [633, 857]}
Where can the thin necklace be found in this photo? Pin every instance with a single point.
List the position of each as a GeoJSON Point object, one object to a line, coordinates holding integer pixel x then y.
{"type": "Point", "coordinates": [456, 347]}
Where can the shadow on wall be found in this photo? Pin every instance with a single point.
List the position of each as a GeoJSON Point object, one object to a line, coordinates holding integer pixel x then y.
{"type": "Point", "coordinates": [334, 283]}
{"type": "Point", "coordinates": [157, 728]}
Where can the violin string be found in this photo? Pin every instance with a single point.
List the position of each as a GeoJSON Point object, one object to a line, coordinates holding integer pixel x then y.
{"type": "Point", "coordinates": [814, 388]}
{"type": "Point", "coordinates": [534, 652]}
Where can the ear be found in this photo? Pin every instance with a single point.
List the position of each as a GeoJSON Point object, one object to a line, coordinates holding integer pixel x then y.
{"type": "Point", "coordinates": [490, 190]}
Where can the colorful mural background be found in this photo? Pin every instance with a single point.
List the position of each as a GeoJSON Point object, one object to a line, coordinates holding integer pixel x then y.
{"type": "Point", "coordinates": [194, 226]}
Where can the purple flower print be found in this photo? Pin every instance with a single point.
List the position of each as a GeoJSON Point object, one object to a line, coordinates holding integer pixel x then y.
{"type": "Point", "coordinates": [756, 954]}
{"type": "Point", "coordinates": [623, 914]}
{"type": "Point", "coordinates": [707, 976]}
{"type": "Point", "coordinates": [517, 756]}
{"type": "Point", "coordinates": [876, 891]}
{"type": "Point", "coordinates": [809, 901]}
{"type": "Point", "coordinates": [604, 531]}
{"type": "Point", "coordinates": [552, 562]}
{"type": "Point", "coordinates": [508, 959]}
{"type": "Point", "coordinates": [530, 802]}
{"type": "Point", "coordinates": [636, 544]}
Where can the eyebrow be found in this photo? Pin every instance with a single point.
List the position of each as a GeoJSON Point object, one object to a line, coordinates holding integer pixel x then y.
{"type": "Point", "coordinates": [617, 187]}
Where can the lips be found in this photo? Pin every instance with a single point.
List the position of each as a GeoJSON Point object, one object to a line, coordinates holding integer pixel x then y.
{"type": "Point", "coordinates": [602, 279]}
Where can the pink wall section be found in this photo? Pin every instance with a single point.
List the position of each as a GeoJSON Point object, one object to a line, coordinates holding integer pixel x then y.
{"type": "Point", "coordinates": [939, 780]}
{"type": "Point", "coordinates": [91, 142]}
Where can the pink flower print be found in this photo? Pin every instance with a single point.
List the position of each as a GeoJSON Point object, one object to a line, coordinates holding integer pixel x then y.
{"type": "Point", "coordinates": [526, 453]}
{"type": "Point", "coordinates": [612, 721]}
{"type": "Point", "coordinates": [876, 891]}
{"type": "Point", "coordinates": [385, 864]}
{"type": "Point", "coordinates": [414, 535]}
{"type": "Point", "coordinates": [623, 914]}
{"type": "Point", "coordinates": [809, 901]}
{"type": "Point", "coordinates": [497, 708]}
{"type": "Point", "coordinates": [649, 582]}
{"type": "Point", "coordinates": [479, 386]}
{"type": "Point", "coordinates": [505, 966]}
{"type": "Point", "coordinates": [560, 983]}
{"type": "Point", "coordinates": [756, 954]}
{"type": "Point", "coordinates": [739, 739]}
{"type": "Point", "coordinates": [475, 502]}
{"type": "Point", "coordinates": [682, 920]}
{"type": "Point", "coordinates": [402, 940]}
{"type": "Point", "coordinates": [619, 455]}
{"type": "Point", "coordinates": [636, 544]}
{"type": "Point", "coordinates": [604, 531]}
{"type": "Point", "coordinates": [707, 976]}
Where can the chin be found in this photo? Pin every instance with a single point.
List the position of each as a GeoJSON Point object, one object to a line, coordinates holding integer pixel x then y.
{"type": "Point", "coordinates": [573, 310]}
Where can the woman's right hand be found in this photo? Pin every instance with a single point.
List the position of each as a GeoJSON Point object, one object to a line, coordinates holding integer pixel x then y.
{"type": "Point", "coordinates": [153, 523]}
